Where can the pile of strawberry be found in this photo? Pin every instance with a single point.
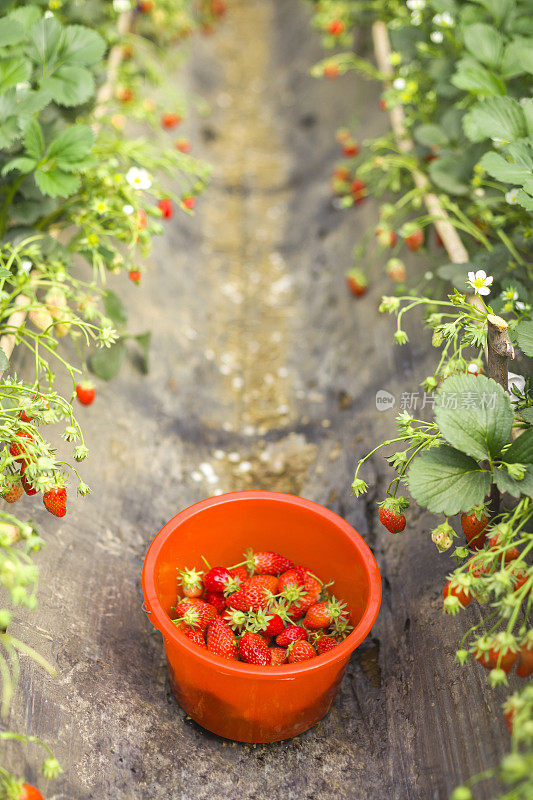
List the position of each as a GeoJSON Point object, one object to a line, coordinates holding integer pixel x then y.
{"type": "Point", "coordinates": [265, 611]}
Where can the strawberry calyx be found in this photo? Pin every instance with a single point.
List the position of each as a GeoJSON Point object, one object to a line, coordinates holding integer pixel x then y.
{"type": "Point", "coordinates": [397, 505]}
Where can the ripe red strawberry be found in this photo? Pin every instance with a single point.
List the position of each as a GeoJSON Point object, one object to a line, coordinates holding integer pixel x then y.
{"type": "Point", "coordinates": [170, 120]}
{"type": "Point", "coordinates": [358, 190]}
{"type": "Point", "coordinates": [191, 582]}
{"type": "Point", "coordinates": [496, 542]}
{"type": "Point", "coordinates": [188, 203]}
{"type": "Point", "coordinates": [510, 710]}
{"type": "Point", "coordinates": [474, 525]}
{"type": "Point", "coordinates": [382, 105]}
{"type": "Point", "coordinates": [14, 492]}
{"type": "Point", "coordinates": [85, 392]}
{"type": "Point", "coordinates": [301, 651]}
{"type": "Point", "coordinates": [477, 569]}
{"type": "Point", "coordinates": [55, 501]}
{"type": "Point", "coordinates": [217, 579]}
{"type": "Point", "coordinates": [183, 145]}
{"type": "Point", "coordinates": [145, 6]}
{"type": "Point", "coordinates": [295, 576]}
{"type": "Point", "coordinates": [221, 640]}
{"type": "Point", "coordinates": [217, 600]}
{"type": "Point", "coordinates": [24, 417]}
{"type": "Point", "coordinates": [524, 668]}
{"type": "Point", "coordinates": [26, 484]}
{"type": "Point", "coordinates": [301, 601]}
{"type": "Point", "coordinates": [519, 576]}
{"type": "Point", "coordinates": [415, 240]}
{"type": "Point", "coordinates": [396, 270]}
{"type": "Point", "coordinates": [253, 649]}
{"type": "Point", "coordinates": [194, 634]}
{"type": "Point", "coordinates": [460, 593]}
{"type": "Point", "coordinates": [165, 206]}
{"type": "Point", "coordinates": [357, 282]}
{"type": "Point", "coordinates": [331, 71]}
{"type": "Point", "coordinates": [278, 656]}
{"type": "Point", "coordinates": [18, 450]}
{"type": "Point", "coordinates": [275, 625]}
{"type": "Point", "coordinates": [240, 573]}
{"type": "Point", "coordinates": [267, 582]}
{"type": "Point", "coordinates": [134, 275]}
{"type": "Point", "coordinates": [438, 239]}
{"type": "Point", "coordinates": [292, 633]}
{"type": "Point", "coordinates": [321, 615]}
{"type": "Point", "coordinates": [386, 237]}
{"type": "Point", "coordinates": [325, 644]}
{"type": "Point", "coordinates": [195, 612]}
{"type": "Point", "coordinates": [497, 652]}
{"type": "Point", "coordinates": [218, 7]}
{"type": "Point", "coordinates": [250, 597]}
{"type": "Point", "coordinates": [29, 792]}
{"type": "Point", "coordinates": [336, 27]}
{"type": "Point", "coordinates": [266, 563]}
{"type": "Point", "coordinates": [351, 148]}
{"type": "Point", "coordinates": [390, 513]}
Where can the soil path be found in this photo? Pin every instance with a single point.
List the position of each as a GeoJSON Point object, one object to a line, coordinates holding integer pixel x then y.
{"type": "Point", "coordinates": [264, 374]}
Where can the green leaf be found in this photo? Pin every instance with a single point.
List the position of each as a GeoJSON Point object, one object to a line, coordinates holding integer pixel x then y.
{"type": "Point", "coordinates": [446, 481]}
{"type": "Point", "coordinates": [484, 42]}
{"type": "Point", "coordinates": [11, 31]}
{"type": "Point", "coordinates": [106, 363]}
{"type": "Point", "coordinates": [114, 308]}
{"type": "Point", "coordinates": [144, 341]}
{"type": "Point", "coordinates": [472, 77]}
{"type": "Point", "coordinates": [520, 452]}
{"type": "Point", "coordinates": [82, 46]}
{"type": "Point", "coordinates": [448, 173]}
{"type": "Point", "coordinates": [497, 166]}
{"type": "Point", "coordinates": [70, 86]}
{"type": "Point", "coordinates": [71, 148]}
{"type": "Point", "coordinates": [499, 9]}
{"type": "Point", "coordinates": [527, 414]}
{"type": "Point", "coordinates": [474, 415]}
{"type": "Point", "coordinates": [34, 139]}
{"type": "Point", "coordinates": [56, 183]}
{"type": "Point", "coordinates": [13, 71]}
{"type": "Point", "coordinates": [518, 58]}
{"type": "Point", "coordinates": [524, 337]}
{"type": "Point", "coordinates": [457, 274]}
{"type": "Point", "coordinates": [21, 164]}
{"type": "Point", "coordinates": [495, 118]}
{"type": "Point", "coordinates": [44, 42]}
{"type": "Point", "coordinates": [506, 483]}
{"type": "Point", "coordinates": [27, 15]}
{"type": "Point", "coordinates": [430, 135]}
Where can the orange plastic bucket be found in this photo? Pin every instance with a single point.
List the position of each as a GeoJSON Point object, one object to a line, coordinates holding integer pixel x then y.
{"type": "Point", "coordinates": [241, 701]}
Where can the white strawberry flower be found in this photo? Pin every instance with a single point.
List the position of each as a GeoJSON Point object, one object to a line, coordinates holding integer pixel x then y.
{"type": "Point", "coordinates": [480, 281]}
{"type": "Point", "coordinates": [120, 6]}
{"type": "Point", "coordinates": [415, 5]}
{"type": "Point", "coordinates": [128, 209]}
{"type": "Point", "coordinates": [26, 266]}
{"type": "Point", "coordinates": [436, 36]}
{"type": "Point", "coordinates": [399, 83]}
{"type": "Point", "coordinates": [138, 178]}
{"type": "Point", "coordinates": [512, 196]}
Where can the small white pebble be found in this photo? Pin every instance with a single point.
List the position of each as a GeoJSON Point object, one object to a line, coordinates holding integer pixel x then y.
{"type": "Point", "coordinates": [268, 378]}
{"type": "Point", "coordinates": [206, 469]}
{"type": "Point", "coordinates": [248, 430]}
{"type": "Point", "coordinates": [196, 476]}
{"type": "Point", "coordinates": [209, 354]}
{"type": "Point", "coordinates": [224, 369]}
{"type": "Point", "coordinates": [244, 466]}
{"type": "Point", "coordinates": [218, 491]}
{"type": "Point", "coordinates": [237, 383]}
{"type": "Point", "coordinates": [276, 337]}
{"type": "Point", "coordinates": [212, 479]}
{"type": "Point", "coordinates": [219, 454]}
{"type": "Point", "coordinates": [283, 409]}
{"type": "Point", "coordinates": [283, 372]}
{"type": "Point", "coordinates": [227, 426]}
{"type": "Point", "coordinates": [234, 457]}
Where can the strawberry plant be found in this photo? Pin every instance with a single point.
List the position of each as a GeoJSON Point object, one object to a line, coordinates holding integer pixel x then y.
{"type": "Point", "coordinates": [457, 84]}
{"type": "Point", "coordinates": [79, 200]}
